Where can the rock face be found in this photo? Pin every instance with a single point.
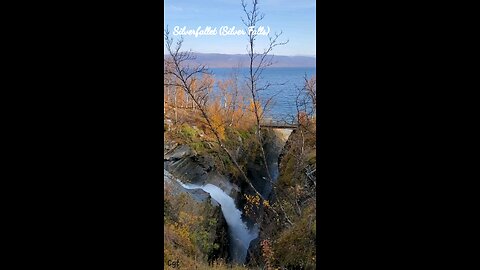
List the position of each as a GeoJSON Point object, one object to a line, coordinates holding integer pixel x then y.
{"type": "Point", "coordinates": [254, 252]}
{"type": "Point", "coordinates": [170, 182]}
{"type": "Point", "coordinates": [184, 163]}
{"type": "Point", "coordinates": [286, 146]}
{"type": "Point", "coordinates": [275, 140]}
{"type": "Point", "coordinates": [180, 152]}
{"type": "Point", "coordinates": [221, 237]}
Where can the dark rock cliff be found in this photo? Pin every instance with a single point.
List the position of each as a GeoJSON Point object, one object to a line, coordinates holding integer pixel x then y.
{"type": "Point", "coordinates": [275, 149]}
{"type": "Point", "coordinates": [222, 239]}
{"type": "Point", "coordinates": [185, 164]}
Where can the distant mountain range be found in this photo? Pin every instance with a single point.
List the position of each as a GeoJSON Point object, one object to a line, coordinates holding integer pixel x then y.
{"type": "Point", "coordinates": [218, 60]}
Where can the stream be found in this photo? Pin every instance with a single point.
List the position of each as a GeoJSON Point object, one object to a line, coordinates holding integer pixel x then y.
{"type": "Point", "coordinates": [240, 235]}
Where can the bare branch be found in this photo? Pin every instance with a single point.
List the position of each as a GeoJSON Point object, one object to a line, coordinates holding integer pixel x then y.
{"type": "Point", "coordinates": [186, 77]}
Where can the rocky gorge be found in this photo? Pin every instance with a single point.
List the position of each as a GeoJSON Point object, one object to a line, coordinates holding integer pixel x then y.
{"type": "Point", "coordinates": [188, 172]}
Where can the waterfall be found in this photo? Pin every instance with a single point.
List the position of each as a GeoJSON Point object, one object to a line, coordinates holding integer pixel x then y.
{"type": "Point", "coordinates": [240, 235]}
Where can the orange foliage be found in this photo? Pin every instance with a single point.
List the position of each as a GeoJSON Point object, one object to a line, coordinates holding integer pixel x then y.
{"type": "Point", "coordinates": [267, 253]}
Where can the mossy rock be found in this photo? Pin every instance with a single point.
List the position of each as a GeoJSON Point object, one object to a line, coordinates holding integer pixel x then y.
{"type": "Point", "coordinates": [287, 173]}
{"type": "Point", "coordinates": [199, 147]}
{"type": "Point", "coordinates": [189, 132]}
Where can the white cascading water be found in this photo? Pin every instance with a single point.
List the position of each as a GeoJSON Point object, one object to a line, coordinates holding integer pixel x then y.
{"type": "Point", "coordinates": [240, 235]}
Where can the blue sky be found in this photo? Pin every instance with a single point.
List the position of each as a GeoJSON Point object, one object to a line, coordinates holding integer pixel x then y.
{"type": "Point", "coordinates": [296, 18]}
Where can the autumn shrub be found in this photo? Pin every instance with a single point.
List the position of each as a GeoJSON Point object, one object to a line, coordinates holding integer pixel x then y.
{"type": "Point", "coordinates": [199, 147]}
{"type": "Point", "coordinates": [301, 237]}
{"type": "Point", "coordinates": [188, 132]}
{"type": "Point", "coordinates": [268, 254]}
{"type": "Point", "coordinates": [190, 230]}
{"type": "Point", "coordinates": [252, 205]}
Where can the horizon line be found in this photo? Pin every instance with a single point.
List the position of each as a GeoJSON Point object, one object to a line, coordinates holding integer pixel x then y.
{"type": "Point", "coordinates": [302, 55]}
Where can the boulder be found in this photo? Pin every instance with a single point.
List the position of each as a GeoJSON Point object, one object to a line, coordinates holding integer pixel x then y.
{"type": "Point", "coordinates": [179, 153]}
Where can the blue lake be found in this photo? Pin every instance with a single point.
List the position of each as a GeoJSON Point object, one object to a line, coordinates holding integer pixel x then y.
{"type": "Point", "coordinates": [283, 106]}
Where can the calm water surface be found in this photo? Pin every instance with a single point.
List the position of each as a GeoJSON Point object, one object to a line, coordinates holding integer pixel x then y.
{"type": "Point", "coordinates": [283, 107]}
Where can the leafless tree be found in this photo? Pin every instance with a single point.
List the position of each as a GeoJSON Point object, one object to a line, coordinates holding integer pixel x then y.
{"type": "Point", "coordinates": [306, 108]}
{"type": "Point", "coordinates": [310, 86]}
{"type": "Point", "coordinates": [186, 74]}
{"type": "Point", "coordinates": [257, 64]}
{"type": "Point", "coordinates": [234, 98]}
{"type": "Point", "coordinates": [170, 90]}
